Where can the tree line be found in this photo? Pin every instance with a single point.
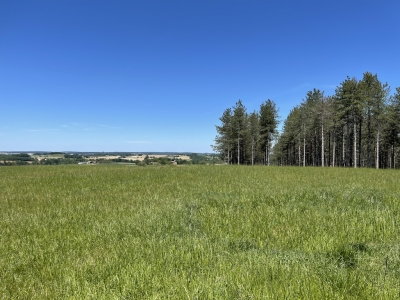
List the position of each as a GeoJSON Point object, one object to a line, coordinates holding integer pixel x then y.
{"type": "Point", "coordinates": [247, 138]}
{"type": "Point", "coordinates": [15, 159]}
{"type": "Point", "coordinates": [358, 126]}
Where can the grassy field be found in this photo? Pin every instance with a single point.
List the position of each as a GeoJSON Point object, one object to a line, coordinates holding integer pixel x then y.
{"type": "Point", "coordinates": [199, 232]}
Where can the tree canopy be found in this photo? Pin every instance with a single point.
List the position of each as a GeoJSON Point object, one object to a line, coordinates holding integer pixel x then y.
{"type": "Point", "coordinates": [246, 138]}
{"type": "Point", "coordinates": [357, 126]}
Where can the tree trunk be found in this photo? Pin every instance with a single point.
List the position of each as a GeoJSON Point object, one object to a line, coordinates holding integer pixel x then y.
{"type": "Point", "coordinates": [314, 148]}
{"type": "Point", "coordinates": [359, 145]}
{"type": "Point", "coordinates": [238, 152]}
{"type": "Point", "coordinates": [304, 151]}
{"type": "Point", "coordinates": [377, 150]}
{"type": "Point", "coordinates": [299, 152]}
{"type": "Point", "coordinates": [329, 149]}
{"type": "Point", "coordinates": [348, 151]}
{"type": "Point", "coordinates": [322, 147]}
{"type": "Point", "coordinates": [334, 150]}
{"type": "Point", "coordinates": [393, 156]}
{"type": "Point", "coordinates": [355, 144]}
{"type": "Point", "coordinates": [266, 155]}
{"type": "Point", "coordinates": [344, 149]}
{"type": "Point", "coordinates": [369, 140]}
{"type": "Point", "coordinates": [252, 152]}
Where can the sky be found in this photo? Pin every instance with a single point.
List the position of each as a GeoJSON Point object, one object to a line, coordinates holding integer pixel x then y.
{"type": "Point", "coordinates": [156, 76]}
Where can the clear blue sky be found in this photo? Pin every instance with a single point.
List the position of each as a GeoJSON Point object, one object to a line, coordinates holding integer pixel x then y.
{"type": "Point", "coordinates": [94, 75]}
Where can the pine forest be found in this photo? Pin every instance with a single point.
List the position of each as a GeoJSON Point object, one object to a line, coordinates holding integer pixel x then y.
{"type": "Point", "coordinates": [358, 126]}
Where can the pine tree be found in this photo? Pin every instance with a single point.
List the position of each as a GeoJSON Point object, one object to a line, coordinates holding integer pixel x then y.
{"type": "Point", "coordinates": [392, 127]}
{"type": "Point", "coordinates": [268, 125]}
{"type": "Point", "coordinates": [254, 134]}
{"type": "Point", "coordinates": [224, 140]}
{"type": "Point", "coordinates": [348, 101]}
{"type": "Point", "coordinates": [239, 128]}
{"type": "Point", "coordinates": [375, 96]}
{"type": "Point", "coordinates": [350, 128]}
{"type": "Point", "coordinates": [323, 110]}
{"type": "Point", "coordinates": [311, 124]}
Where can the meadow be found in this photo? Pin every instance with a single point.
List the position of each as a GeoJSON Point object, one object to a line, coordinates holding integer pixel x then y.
{"type": "Point", "coordinates": [199, 232]}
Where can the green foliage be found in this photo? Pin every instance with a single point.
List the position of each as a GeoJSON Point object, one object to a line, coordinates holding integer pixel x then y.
{"type": "Point", "coordinates": [70, 159]}
{"type": "Point", "coordinates": [268, 124]}
{"type": "Point", "coordinates": [196, 159]}
{"type": "Point", "coordinates": [244, 138]}
{"type": "Point", "coordinates": [201, 159]}
{"type": "Point", "coordinates": [355, 127]}
{"type": "Point", "coordinates": [198, 232]}
{"type": "Point", "coordinates": [180, 161]}
{"type": "Point", "coordinates": [15, 159]}
{"type": "Point", "coordinates": [75, 156]}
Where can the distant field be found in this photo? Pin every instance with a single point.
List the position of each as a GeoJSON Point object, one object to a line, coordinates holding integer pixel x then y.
{"type": "Point", "coordinates": [199, 232]}
{"type": "Point", "coordinates": [141, 157]}
{"type": "Point", "coordinates": [46, 156]}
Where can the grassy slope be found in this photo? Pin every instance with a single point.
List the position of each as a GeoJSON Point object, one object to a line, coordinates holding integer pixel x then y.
{"type": "Point", "coordinates": [199, 232]}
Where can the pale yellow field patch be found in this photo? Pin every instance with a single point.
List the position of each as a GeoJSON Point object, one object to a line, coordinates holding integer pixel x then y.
{"type": "Point", "coordinates": [139, 157]}
{"type": "Point", "coordinates": [103, 157]}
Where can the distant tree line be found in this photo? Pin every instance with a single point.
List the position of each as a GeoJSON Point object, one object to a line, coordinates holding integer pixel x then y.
{"type": "Point", "coordinates": [68, 159]}
{"type": "Point", "coordinates": [203, 159]}
{"type": "Point", "coordinates": [15, 159]}
{"type": "Point", "coordinates": [25, 159]}
{"type": "Point", "coordinates": [247, 138]}
{"type": "Point", "coordinates": [358, 126]}
{"type": "Point", "coordinates": [195, 159]}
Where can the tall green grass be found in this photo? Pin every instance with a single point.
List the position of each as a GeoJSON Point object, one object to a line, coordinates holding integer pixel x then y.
{"type": "Point", "coordinates": [199, 232]}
